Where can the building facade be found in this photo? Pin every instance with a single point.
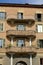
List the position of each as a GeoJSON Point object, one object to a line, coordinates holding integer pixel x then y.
{"type": "Point", "coordinates": [21, 34]}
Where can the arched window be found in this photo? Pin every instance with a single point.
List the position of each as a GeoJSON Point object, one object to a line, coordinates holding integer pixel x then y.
{"type": "Point", "coordinates": [21, 63]}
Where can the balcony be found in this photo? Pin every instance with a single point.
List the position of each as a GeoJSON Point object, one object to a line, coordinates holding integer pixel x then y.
{"type": "Point", "coordinates": [11, 19]}
{"type": "Point", "coordinates": [18, 33]}
{"type": "Point", "coordinates": [29, 50]}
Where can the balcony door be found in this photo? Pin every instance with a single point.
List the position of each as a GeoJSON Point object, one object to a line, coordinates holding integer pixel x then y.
{"type": "Point", "coordinates": [20, 15]}
{"type": "Point", "coordinates": [20, 27]}
{"type": "Point", "coordinates": [40, 28]}
{"type": "Point", "coordinates": [20, 43]}
{"type": "Point", "coordinates": [41, 61]}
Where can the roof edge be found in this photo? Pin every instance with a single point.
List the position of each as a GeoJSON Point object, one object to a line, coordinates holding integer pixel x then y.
{"type": "Point", "coordinates": [21, 5]}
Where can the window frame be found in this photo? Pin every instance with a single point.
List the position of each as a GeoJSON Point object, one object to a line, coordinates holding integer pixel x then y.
{"type": "Point", "coordinates": [19, 15]}
{"type": "Point", "coordinates": [39, 28]}
{"type": "Point", "coordinates": [41, 61]}
{"type": "Point", "coordinates": [3, 43]}
{"type": "Point", "coordinates": [2, 17]}
{"type": "Point", "coordinates": [23, 43]}
{"type": "Point", "coordinates": [2, 27]}
{"type": "Point", "coordinates": [0, 64]}
{"type": "Point", "coordinates": [36, 18]}
{"type": "Point", "coordinates": [40, 45]}
{"type": "Point", "coordinates": [23, 26]}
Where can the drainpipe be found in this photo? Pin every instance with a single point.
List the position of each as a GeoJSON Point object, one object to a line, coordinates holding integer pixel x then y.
{"type": "Point", "coordinates": [11, 59]}
{"type": "Point", "coordinates": [30, 59]}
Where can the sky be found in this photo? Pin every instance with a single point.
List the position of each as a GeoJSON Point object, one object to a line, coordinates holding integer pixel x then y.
{"type": "Point", "coordinates": [22, 1]}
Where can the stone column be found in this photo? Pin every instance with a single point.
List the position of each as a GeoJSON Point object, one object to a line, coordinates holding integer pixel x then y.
{"type": "Point", "coordinates": [12, 41]}
{"type": "Point", "coordinates": [11, 59]}
{"type": "Point", "coordinates": [30, 59]}
{"type": "Point", "coordinates": [30, 42]}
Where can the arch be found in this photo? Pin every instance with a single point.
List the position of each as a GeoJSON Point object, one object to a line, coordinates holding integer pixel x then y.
{"type": "Point", "coordinates": [21, 63]}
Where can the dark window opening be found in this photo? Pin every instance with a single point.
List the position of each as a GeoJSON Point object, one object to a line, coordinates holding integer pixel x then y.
{"type": "Point", "coordinates": [40, 43]}
{"type": "Point", "coordinates": [2, 43]}
{"type": "Point", "coordinates": [41, 61]}
{"type": "Point", "coordinates": [39, 17]}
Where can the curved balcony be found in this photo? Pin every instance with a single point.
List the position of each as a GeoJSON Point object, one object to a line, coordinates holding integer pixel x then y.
{"type": "Point", "coordinates": [11, 19]}
{"type": "Point", "coordinates": [29, 50]}
{"type": "Point", "coordinates": [18, 33]}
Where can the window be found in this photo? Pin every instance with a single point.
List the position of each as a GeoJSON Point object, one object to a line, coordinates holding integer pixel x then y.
{"type": "Point", "coordinates": [2, 43]}
{"type": "Point", "coordinates": [20, 15]}
{"type": "Point", "coordinates": [38, 17]}
{"type": "Point", "coordinates": [40, 43]}
{"type": "Point", "coordinates": [0, 64]}
{"type": "Point", "coordinates": [2, 15]}
{"type": "Point", "coordinates": [21, 63]}
{"type": "Point", "coordinates": [1, 27]}
{"type": "Point", "coordinates": [39, 28]}
{"type": "Point", "coordinates": [41, 61]}
{"type": "Point", "coordinates": [20, 27]}
{"type": "Point", "coordinates": [20, 43]}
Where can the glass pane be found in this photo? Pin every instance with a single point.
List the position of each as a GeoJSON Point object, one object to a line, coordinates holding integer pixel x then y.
{"type": "Point", "coordinates": [20, 15]}
{"type": "Point", "coordinates": [20, 27]}
{"type": "Point", "coordinates": [41, 43]}
{"type": "Point", "coordinates": [20, 43]}
{"type": "Point", "coordinates": [2, 15]}
{"type": "Point", "coordinates": [40, 27]}
{"type": "Point", "coordinates": [2, 42]}
{"type": "Point", "coordinates": [38, 16]}
{"type": "Point", "coordinates": [1, 27]}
